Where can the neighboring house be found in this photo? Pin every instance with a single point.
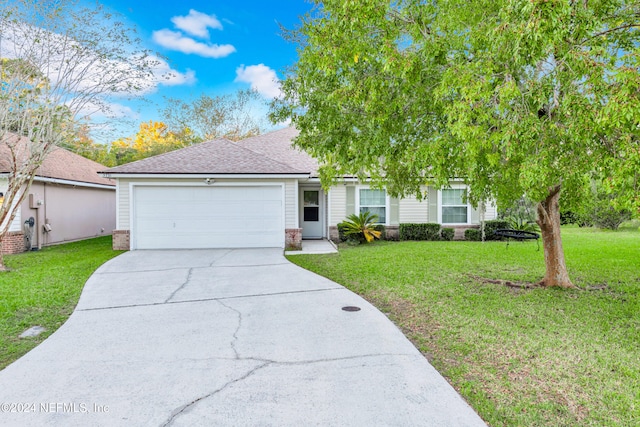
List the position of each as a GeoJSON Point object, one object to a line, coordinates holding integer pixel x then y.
{"type": "Point", "coordinates": [258, 192]}
{"type": "Point", "coordinates": [68, 201]}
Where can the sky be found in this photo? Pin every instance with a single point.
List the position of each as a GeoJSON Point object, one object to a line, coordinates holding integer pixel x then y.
{"type": "Point", "coordinates": [211, 47]}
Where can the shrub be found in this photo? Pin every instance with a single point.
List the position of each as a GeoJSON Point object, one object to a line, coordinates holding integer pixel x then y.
{"type": "Point", "coordinates": [491, 226]}
{"type": "Point", "coordinates": [361, 227]}
{"type": "Point", "coordinates": [473, 234]}
{"type": "Point", "coordinates": [428, 231]}
{"type": "Point", "coordinates": [606, 216]}
{"type": "Point", "coordinates": [382, 230]}
{"type": "Point", "coordinates": [341, 236]}
{"type": "Point", "coordinates": [522, 224]}
{"type": "Point", "coordinates": [447, 234]}
{"type": "Point", "coordinates": [569, 217]}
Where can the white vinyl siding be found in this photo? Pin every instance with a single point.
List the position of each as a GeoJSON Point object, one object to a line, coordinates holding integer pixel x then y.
{"type": "Point", "coordinates": [16, 224]}
{"type": "Point", "coordinates": [291, 205]}
{"type": "Point", "coordinates": [413, 210]}
{"type": "Point", "coordinates": [337, 204]}
{"type": "Point", "coordinates": [122, 205]}
{"type": "Point", "coordinates": [491, 212]}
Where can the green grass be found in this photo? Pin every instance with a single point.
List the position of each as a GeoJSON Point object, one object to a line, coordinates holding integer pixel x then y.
{"type": "Point", "coordinates": [520, 357]}
{"type": "Point", "coordinates": [42, 288]}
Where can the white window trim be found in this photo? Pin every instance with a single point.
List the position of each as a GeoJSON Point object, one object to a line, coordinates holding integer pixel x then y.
{"type": "Point", "coordinates": [386, 197]}
{"type": "Point", "coordinates": [454, 187]}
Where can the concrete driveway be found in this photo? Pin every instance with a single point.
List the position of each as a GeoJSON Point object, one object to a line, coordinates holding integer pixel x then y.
{"type": "Point", "coordinates": [224, 337]}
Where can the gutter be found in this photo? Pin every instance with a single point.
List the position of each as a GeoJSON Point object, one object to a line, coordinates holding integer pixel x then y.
{"type": "Point", "coordinates": [202, 175]}
{"type": "Point", "coordinates": [74, 183]}
{"type": "Point", "coordinates": [67, 182]}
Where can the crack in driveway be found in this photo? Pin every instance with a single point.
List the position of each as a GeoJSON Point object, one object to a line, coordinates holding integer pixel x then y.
{"type": "Point", "coordinates": [181, 286]}
{"type": "Point", "coordinates": [185, 408]}
{"type": "Point", "coordinates": [151, 304]}
{"type": "Point", "coordinates": [235, 333]}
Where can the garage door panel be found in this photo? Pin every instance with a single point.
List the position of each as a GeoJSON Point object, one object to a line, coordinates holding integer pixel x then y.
{"type": "Point", "coordinates": [208, 217]}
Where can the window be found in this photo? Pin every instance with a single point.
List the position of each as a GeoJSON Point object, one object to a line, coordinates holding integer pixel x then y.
{"type": "Point", "coordinates": [374, 201]}
{"type": "Point", "coordinates": [311, 206]}
{"type": "Point", "coordinates": [454, 209]}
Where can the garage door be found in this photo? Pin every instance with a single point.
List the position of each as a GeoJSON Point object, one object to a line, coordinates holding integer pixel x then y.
{"type": "Point", "coordinates": [208, 217]}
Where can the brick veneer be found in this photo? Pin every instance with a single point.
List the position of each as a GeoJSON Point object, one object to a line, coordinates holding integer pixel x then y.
{"type": "Point", "coordinates": [13, 243]}
{"type": "Point", "coordinates": [121, 240]}
{"type": "Point", "coordinates": [392, 232]}
{"type": "Point", "coordinates": [293, 238]}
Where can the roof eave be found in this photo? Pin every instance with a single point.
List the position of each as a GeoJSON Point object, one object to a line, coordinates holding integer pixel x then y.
{"type": "Point", "coordinates": [117, 175]}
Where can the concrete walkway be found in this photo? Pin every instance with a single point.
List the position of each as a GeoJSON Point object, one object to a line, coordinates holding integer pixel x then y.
{"type": "Point", "coordinates": [224, 338]}
{"type": "Point", "coordinates": [319, 246]}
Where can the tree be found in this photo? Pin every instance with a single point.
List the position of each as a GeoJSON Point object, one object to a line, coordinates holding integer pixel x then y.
{"type": "Point", "coordinates": [83, 144]}
{"type": "Point", "coordinates": [58, 61]}
{"type": "Point", "coordinates": [518, 97]}
{"type": "Point", "coordinates": [224, 116]}
{"type": "Point", "coordinates": [152, 139]}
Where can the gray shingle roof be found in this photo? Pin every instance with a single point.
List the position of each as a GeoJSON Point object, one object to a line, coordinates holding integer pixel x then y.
{"type": "Point", "coordinates": [59, 164]}
{"type": "Point", "coordinates": [219, 156]}
{"type": "Point", "coordinates": [277, 145]}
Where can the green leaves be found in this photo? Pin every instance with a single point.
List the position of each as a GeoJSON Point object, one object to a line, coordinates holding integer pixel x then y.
{"type": "Point", "coordinates": [361, 226]}
{"type": "Point", "coordinates": [515, 96]}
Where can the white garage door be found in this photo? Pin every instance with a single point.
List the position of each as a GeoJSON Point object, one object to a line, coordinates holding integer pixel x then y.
{"type": "Point", "coordinates": [208, 217]}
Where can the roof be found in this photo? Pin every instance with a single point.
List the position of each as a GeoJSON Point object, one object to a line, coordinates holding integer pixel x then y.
{"type": "Point", "coordinates": [219, 156]}
{"type": "Point", "coordinates": [61, 164]}
{"type": "Point", "coordinates": [277, 145]}
{"type": "Point", "coordinates": [271, 153]}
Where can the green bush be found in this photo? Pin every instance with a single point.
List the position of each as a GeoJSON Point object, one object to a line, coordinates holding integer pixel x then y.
{"type": "Point", "coordinates": [361, 227]}
{"type": "Point", "coordinates": [491, 226]}
{"type": "Point", "coordinates": [447, 234]}
{"type": "Point", "coordinates": [428, 231]}
{"type": "Point", "coordinates": [341, 235]}
{"type": "Point", "coordinates": [473, 234]}
{"type": "Point", "coordinates": [522, 224]}
{"type": "Point", "coordinates": [606, 216]}
{"type": "Point", "coordinates": [382, 230]}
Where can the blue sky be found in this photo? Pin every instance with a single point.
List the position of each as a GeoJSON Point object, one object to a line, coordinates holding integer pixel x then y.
{"type": "Point", "coordinates": [212, 47]}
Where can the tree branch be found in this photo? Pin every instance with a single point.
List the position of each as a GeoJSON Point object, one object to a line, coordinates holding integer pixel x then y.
{"type": "Point", "coordinates": [610, 30]}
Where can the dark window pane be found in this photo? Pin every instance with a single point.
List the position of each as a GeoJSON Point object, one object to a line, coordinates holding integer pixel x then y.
{"type": "Point", "coordinates": [311, 213]}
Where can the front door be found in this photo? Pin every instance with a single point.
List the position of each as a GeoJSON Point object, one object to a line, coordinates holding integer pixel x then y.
{"type": "Point", "coordinates": [311, 213]}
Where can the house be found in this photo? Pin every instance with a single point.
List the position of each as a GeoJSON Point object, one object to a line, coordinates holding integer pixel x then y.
{"type": "Point", "coordinates": [258, 192]}
{"type": "Point", "coordinates": [67, 201]}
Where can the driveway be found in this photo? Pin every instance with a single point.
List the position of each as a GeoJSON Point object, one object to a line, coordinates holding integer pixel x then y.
{"type": "Point", "coordinates": [224, 337]}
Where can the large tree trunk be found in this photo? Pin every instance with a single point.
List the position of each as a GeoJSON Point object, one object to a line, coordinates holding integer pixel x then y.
{"type": "Point", "coordinates": [549, 221]}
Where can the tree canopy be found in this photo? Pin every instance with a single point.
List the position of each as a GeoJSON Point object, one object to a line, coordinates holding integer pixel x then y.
{"type": "Point", "coordinates": [517, 97]}
{"type": "Point", "coordinates": [58, 62]}
{"type": "Point", "coordinates": [223, 116]}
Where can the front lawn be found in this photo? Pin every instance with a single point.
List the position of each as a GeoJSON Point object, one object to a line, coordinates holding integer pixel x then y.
{"type": "Point", "coordinates": [42, 289]}
{"type": "Point", "coordinates": [521, 357]}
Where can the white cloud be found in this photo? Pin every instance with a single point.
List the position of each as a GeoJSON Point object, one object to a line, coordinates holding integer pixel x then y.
{"type": "Point", "coordinates": [109, 110]}
{"type": "Point", "coordinates": [262, 79]}
{"type": "Point", "coordinates": [177, 41]}
{"type": "Point", "coordinates": [197, 23]}
{"type": "Point", "coordinates": [167, 76]}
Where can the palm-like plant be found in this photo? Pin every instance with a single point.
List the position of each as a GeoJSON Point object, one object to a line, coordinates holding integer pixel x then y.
{"type": "Point", "coordinates": [522, 224]}
{"type": "Point", "coordinates": [362, 226]}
